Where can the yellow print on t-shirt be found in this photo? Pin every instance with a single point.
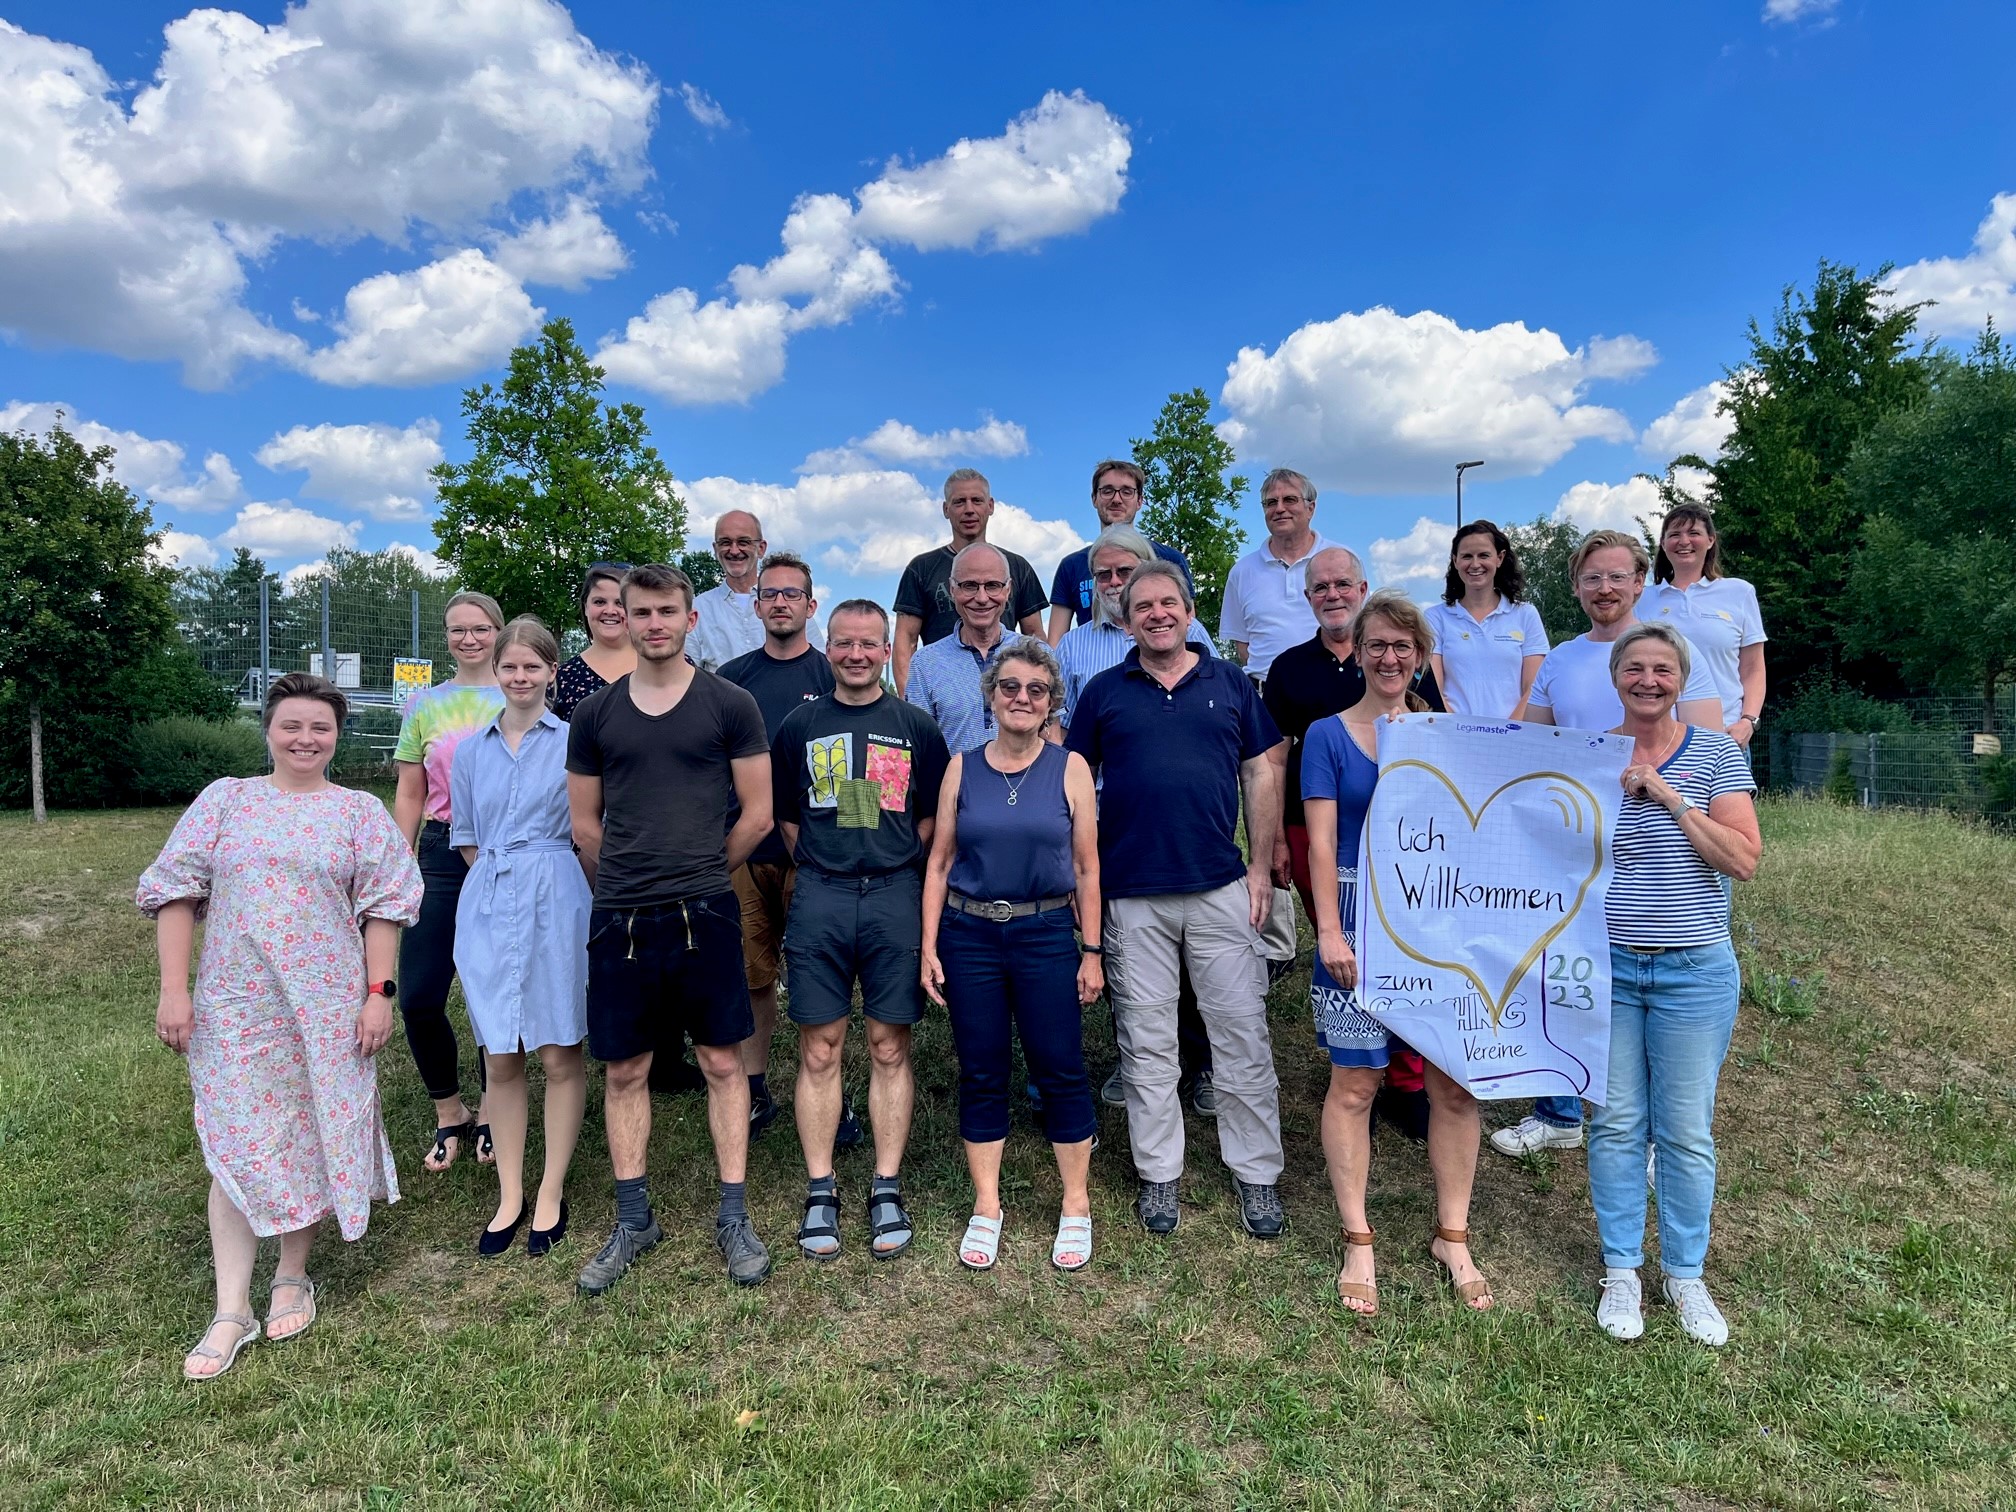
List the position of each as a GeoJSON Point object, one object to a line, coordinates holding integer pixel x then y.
{"type": "Point", "coordinates": [829, 761]}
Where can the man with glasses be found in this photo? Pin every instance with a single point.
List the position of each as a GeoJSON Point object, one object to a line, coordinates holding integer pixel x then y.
{"type": "Point", "coordinates": [731, 622]}
{"type": "Point", "coordinates": [1117, 494]}
{"type": "Point", "coordinates": [1573, 689]}
{"type": "Point", "coordinates": [1179, 736]}
{"type": "Point", "coordinates": [926, 609]}
{"type": "Point", "coordinates": [1266, 610]}
{"type": "Point", "coordinates": [1311, 681]}
{"type": "Point", "coordinates": [780, 674]}
{"type": "Point", "coordinates": [945, 675]}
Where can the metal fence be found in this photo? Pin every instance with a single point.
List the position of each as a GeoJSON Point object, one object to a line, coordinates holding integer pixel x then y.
{"type": "Point", "coordinates": [1914, 769]}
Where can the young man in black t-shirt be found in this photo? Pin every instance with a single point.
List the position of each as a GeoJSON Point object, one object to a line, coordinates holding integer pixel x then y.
{"type": "Point", "coordinates": [855, 778]}
{"type": "Point", "coordinates": [782, 673]}
{"type": "Point", "coordinates": [653, 762]}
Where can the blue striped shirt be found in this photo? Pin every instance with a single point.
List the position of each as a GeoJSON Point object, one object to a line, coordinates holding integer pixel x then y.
{"type": "Point", "coordinates": [1663, 892]}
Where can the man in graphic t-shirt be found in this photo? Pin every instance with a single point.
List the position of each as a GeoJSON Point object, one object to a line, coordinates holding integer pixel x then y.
{"type": "Point", "coordinates": [855, 787]}
{"type": "Point", "coordinates": [653, 762]}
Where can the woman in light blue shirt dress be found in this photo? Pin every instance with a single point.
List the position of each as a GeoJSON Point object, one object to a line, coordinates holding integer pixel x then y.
{"type": "Point", "coordinates": [521, 931]}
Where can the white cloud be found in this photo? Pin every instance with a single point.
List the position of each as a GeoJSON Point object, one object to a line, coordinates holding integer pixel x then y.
{"type": "Point", "coordinates": [1055, 170]}
{"type": "Point", "coordinates": [154, 470]}
{"type": "Point", "coordinates": [1612, 506]}
{"type": "Point", "coordinates": [451, 317]}
{"type": "Point", "coordinates": [131, 230]}
{"type": "Point", "coordinates": [380, 469]}
{"type": "Point", "coordinates": [1694, 424]}
{"type": "Point", "coordinates": [1416, 561]}
{"type": "Point", "coordinates": [1784, 12]}
{"type": "Point", "coordinates": [894, 441]}
{"type": "Point", "coordinates": [703, 107]}
{"type": "Point", "coordinates": [1969, 291]}
{"type": "Point", "coordinates": [422, 558]}
{"type": "Point", "coordinates": [1383, 403]}
{"type": "Point", "coordinates": [567, 250]}
{"type": "Point", "coordinates": [285, 530]}
{"type": "Point", "coordinates": [178, 548]}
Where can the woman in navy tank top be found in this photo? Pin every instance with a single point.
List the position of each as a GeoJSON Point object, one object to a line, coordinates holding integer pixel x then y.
{"type": "Point", "coordinates": [1014, 865]}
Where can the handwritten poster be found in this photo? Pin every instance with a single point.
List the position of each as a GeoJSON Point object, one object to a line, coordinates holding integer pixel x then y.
{"type": "Point", "coordinates": [1485, 866]}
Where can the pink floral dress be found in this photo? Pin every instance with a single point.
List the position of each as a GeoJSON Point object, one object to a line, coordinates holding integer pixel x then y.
{"type": "Point", "coordinates": [286, 1105]}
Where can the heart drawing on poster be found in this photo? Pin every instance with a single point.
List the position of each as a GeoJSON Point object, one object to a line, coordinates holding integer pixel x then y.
{"type": "Point", "coordinates": [1424, 794]}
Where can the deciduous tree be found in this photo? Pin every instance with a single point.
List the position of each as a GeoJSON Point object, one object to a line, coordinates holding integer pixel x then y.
{"type": "Point", "coordinates": [1191, 503]}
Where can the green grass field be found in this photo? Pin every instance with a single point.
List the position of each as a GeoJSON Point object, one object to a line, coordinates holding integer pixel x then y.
{"type": "Point", "coordinates": [1864, 1251]}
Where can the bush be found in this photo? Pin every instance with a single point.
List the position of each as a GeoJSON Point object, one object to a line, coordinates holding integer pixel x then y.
{"type": "Point", "coordinates": [372, 719]}
{"type": "Point", "coordinates": [1840, 784]}
{"type": "Point", "coordinates": [358, 763]}
{"type": "Point", "coordinates": [175, 759]}
{"type": "Point", "coordinates": [1822, 706]}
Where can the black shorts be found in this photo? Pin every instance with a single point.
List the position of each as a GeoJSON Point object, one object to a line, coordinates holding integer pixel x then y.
{"type": "Point", "coordinates": [656, 972]}
{"type": "Point", "coordinates": [841, 928]}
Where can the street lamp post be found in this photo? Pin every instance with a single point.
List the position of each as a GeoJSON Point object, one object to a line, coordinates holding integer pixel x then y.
{"type": "Point", "coordinates": [1462, 468]}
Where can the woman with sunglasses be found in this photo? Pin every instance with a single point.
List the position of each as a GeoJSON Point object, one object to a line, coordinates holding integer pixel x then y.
{"type": "Point", "coordinates": [608, 654]}
{"type": "Point", "coordinates": [437, 720]}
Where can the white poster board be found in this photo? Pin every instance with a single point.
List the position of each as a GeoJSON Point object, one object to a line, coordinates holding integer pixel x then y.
{"type": "Point", "coordinates": [1482, 878]}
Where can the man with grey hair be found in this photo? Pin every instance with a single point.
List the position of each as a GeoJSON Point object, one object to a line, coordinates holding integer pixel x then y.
{"type": "Point", "coordinates": [945, 675]}
{"type": "Point", "coordinates": [1265, 611]}
{"type": "Point", "coordinates": [731, 622]}
{"type": "Point", "coordinates": [926, 610]}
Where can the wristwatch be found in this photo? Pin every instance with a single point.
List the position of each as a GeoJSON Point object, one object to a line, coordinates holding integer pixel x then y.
{"type": "Point", "coordinates": [1098, 950]}
{"type": "Point", "coordinates": [1686, 803]}
{"type": "Point", "coordinates": [387, 989]}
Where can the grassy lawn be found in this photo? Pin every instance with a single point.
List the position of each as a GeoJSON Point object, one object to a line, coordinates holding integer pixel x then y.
{"type": "Point", "coordinates": [1865, 1252]}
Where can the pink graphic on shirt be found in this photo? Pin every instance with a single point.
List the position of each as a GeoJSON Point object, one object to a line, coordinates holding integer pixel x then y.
{"type": "Point", "coordinates": [890, 766]}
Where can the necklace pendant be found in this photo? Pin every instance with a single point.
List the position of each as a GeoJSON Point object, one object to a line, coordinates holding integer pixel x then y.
{"type": "Point", "coordinates": [1011, 799]}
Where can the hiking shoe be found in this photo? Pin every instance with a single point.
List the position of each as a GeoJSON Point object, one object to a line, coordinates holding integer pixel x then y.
{"type": "Point", "coordinates": [1260, 1210]}
{"type": "Point", "coordinates": [849, 1133]}
{"type": "Point", "coordinates": [1203, 1098]}
{"type": "Point", "coordinates": [1405, 1112]}
{"type": "Point", "coordinates": [1532, 1134]}
{"type": "Point", "coordinates": [1700, 1318]}
{"type": "Point", "coordinates": [1621, 1312]}
{"type": "Point", "coordinates": [1113, 1091]}
{"type": "Point", "coordinates": [748, 1260]}
{"type": "Point", "coordinates": [614, 1258]}
{"type": "Point", "coordinates": [762, 1114]}
{"type": "Point", "coordinates": [1158, 1206]}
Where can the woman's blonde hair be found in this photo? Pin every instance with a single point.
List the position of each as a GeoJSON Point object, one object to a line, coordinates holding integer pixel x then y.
{"type": "Point", "coordinates": [483, 601]}
{"type": "Point", "coordinates": [1401, 612]}
{"type": "Point", "coordinates": [529, 631]}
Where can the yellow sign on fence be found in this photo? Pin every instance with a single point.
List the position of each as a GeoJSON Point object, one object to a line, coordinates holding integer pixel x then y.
{"type": "Point", "coordinates": [411, 673]}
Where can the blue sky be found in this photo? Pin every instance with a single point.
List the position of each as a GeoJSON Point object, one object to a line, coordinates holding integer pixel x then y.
{"type": "Point", "coordinates": [836, 252]}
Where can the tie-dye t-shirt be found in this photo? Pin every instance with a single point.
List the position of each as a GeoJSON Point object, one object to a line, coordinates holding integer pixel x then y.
{"type": "Point", "coordinates": [436, 721]}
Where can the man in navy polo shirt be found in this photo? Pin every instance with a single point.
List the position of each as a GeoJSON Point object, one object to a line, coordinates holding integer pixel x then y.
{"type": "Point", "coordinates": [1178, 735]}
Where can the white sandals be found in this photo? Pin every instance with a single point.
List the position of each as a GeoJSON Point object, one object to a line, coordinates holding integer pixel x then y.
{"type": "Point", "coordinates": [983, 1237]}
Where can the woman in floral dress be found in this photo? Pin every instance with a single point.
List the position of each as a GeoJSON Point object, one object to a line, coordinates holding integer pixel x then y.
{"type": "Point", "coordinates": [305, 886]}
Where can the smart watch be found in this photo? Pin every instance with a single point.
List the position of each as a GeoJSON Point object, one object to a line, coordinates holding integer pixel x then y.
{"type": "Point", "coordinates": [387, 989]}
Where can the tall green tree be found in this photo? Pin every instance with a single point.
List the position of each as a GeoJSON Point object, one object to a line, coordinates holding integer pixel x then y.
{"type": "Point", "coordinates": [1934, 584]}
{"type": "Point", "coordinates": [1191, 503]}
{"type": "Point", "coordinates": [80, 597]}
{"type": "Point", "coordinates": [556, 480]}
{"type": "Point", "coordinates": [217, 611]}
{"type": "Point", "coordinates": [1834, 363]}
{"type": "Point", "coordinates": [1543, 549]}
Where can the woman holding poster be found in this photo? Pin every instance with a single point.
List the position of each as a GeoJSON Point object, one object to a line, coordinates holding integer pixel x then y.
{"type": "Point", "coordinates": [1687, 822]}
{"type": "Point", "coordinates": [1340, 768]}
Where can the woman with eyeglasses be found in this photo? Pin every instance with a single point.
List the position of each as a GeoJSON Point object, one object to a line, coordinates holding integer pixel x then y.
{"type": "Point", "coordinates": [1340, 768]}
{"type": "Point", "coordinates": [1014, 858]}
{"type": "Point", "coordinates": [608, 654]}
{"type": "Point", "coordinates": [1489, 641]}
{"type": "Point", "coordinates": [437, 720]}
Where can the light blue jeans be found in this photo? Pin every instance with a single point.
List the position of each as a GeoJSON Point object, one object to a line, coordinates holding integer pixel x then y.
{"type": "Point", "coordinates": [1671, 1016]}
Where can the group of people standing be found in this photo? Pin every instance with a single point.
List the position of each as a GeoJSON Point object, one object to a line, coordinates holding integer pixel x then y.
{"type": "Point", "coordinates": [630, 848]}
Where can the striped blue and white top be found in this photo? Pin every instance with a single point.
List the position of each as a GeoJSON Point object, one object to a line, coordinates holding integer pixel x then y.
{"type": "Point", "coordinates": [1663, 892]}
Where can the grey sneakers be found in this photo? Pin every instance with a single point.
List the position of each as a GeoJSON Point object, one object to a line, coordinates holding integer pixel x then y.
{"type": "Point", "coordinates": [1158, 1206]}
{"type": "Point", "coordinates": [614, 1258]}
{"type": "Point", "coordinates": [748, 1260]}
{"type": "Point", "coordinates": [1260, 1210]}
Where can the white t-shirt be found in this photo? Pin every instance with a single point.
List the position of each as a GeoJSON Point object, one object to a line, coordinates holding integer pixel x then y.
{"type": "Point", "coordinates": [1265, 606]}
{"type": "Point", "coordinates": [1719, 617]}
{"type": "Point", "coordinates": [1574, 685]}
{"type": "Point", "coordinates": [1481, 664]}
{"type": "Point", "coordinates": [729, 627]}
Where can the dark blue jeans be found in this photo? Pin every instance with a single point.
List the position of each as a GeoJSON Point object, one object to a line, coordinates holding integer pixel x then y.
{"type": "Point", "coordinates": [1020, 977]}
{"type": "Point", "coordinates": [427, 966]}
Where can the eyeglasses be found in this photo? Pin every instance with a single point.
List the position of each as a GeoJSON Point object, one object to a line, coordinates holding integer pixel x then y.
{"type": "Point", "coordinates": [479, 631]}
{"type": "Point", "coordinates": [1604, 579]}
{"type": "Point", "coordinates": [1380, 650]}
{"type": "Point", "coordinates": [722, 543]}
{"type": "Point", "coordinates": [789, 595]}
{"type": "Point", "coordinates": [981, 585]}
{"type": "Point", "coordinates": [1012, 688]}
{"type": "Point", "coordinates": [1337, 585]}
{"type": "Point", "coordinates": [1108, 491]}
{"type": "Point", "coordinates": [1114, 574]}
{"type": "Point", "coordinates": [1284, 501]}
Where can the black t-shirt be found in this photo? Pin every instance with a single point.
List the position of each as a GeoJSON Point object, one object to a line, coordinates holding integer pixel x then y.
{"type": "Point", "coordinates": [926, 591]}
{"type": "Point", "coordinates": [778, 686]}
{"type": "Point", "coordinates": [855, 779]}
{"type": "Point", "coordinates": [666, 787]}
{"type": "Point", "coordinates": [1307, 683]}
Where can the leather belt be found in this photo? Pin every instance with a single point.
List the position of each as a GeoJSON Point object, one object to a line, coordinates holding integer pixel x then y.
{"type": "Point", "coordinates": [1001, 910]}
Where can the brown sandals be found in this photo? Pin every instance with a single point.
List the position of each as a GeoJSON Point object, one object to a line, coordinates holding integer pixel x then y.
{"type": "Point", "coordinates": [1467, 1292]}
{"type": "Point", "coordinates": [1358, 1291]}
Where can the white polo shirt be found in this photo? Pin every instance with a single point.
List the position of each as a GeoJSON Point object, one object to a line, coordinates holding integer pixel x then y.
{"type": "Point", "coordinates": [1265, 606]}
{"type": "Point", "coordinates": [730, 626]}
{"type": "Point", "coordinates": [1574, 685]}
{"type": "Point", "coordinates": [1482, 663]}
{"type": "Point", "coordinates": [1719, 617]}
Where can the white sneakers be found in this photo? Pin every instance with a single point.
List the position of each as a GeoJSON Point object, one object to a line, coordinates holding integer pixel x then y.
{"type": "Point", "coordinates": [1531, 1135]}
{"type": "Point", "coordinates": [1621, 1312]}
